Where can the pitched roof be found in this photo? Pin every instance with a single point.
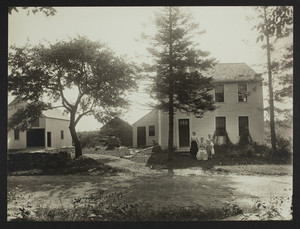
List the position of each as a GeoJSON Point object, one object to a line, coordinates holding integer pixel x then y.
{"type": "Point", "coordinates": [233, 72]}
{"type": "Point", "coordinates": [55, 113]}
{"type": "Point", "coordinates": [115, 124]}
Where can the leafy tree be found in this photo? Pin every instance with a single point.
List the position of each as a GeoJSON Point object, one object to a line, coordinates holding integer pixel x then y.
{"type": "Point", "coordinates": [283, 71]}
{"type": "Point", "coordinates": [48, 11]}
{"type": "Point", "coordinates": [178, 84]}
{"type": "Point", "coordinates": [275, 23]}
{"type": "Point", "coordinates": [98, 80]}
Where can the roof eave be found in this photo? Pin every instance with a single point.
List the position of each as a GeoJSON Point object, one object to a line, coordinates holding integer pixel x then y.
{"type": "Point", "coordinates": [238, 80]}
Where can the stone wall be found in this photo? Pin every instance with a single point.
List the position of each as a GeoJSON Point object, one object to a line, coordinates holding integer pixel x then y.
{"type": "Point", "coordinates": [37, 160]}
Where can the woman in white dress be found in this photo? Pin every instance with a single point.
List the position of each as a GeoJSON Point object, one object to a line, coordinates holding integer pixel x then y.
{"type": "Point", "coordinates": [202, 154]}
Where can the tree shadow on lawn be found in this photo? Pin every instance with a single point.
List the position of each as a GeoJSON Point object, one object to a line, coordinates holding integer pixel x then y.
{"type": "Point", "coordinates": [180, 160]}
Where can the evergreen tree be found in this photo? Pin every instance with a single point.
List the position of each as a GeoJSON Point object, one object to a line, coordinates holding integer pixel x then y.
{"type": "Point", "coordinates": [179, 83]}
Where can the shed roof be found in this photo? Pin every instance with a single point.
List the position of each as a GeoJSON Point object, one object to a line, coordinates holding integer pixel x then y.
{"type": "Point", "coordinates": [115, 124]}
{"type": "Point", "coordinates": [233, 72]}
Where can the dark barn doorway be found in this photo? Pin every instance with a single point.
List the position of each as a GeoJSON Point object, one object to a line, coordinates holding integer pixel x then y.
{"type": "Point", "coordinates": [35, 137]}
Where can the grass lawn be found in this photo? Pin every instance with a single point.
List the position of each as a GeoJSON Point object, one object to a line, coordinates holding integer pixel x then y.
{"type": "Point", "coordinates": [223, 164]}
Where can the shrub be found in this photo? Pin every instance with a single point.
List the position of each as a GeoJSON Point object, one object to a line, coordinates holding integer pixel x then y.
{"type": "Point", "coordinates": [89, 139]}
{"type": "Point", "coordinates": [284, 146]}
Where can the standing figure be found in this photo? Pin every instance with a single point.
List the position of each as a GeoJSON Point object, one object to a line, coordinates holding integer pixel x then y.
{"type": "Point", "coordinates": [194, 144]}
{"type": "Point", "coordinates": [210, 146]}
{"type": "Point", "coordinates": [202, 153]}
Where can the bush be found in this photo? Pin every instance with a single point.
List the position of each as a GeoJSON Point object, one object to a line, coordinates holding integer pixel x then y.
{"type": "Point", "coordinates": [89, 139]}
{"type": "Point", "coordinates": [284, 146]}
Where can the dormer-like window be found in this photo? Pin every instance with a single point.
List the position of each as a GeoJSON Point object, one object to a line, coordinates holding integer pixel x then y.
{"type": "Point", "coordinates": [36, 123]}
{"type": "Point", "coordinates": [242, 92]}
{"type": "Point", "coordinates": [219, 93]}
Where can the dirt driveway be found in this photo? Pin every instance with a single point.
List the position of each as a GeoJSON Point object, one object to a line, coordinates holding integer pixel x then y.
{"type": "Point", "coordinates": [178, 187]}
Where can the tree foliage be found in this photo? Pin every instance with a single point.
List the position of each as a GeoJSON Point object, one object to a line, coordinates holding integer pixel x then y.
{"type": "Point", "coordinates": [97, 80]}
{"type": "Point", "coordinates": [48, 11]}
{"type": "Point", "coordinates": [278, 24]}
{"type": "Point", "coordinates": [179, 83]}
{"type": "Point", "coordinates": [275, 23]}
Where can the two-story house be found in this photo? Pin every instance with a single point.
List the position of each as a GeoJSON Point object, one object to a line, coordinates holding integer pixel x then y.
{"type": "Point", "coordinates": [238, 95]}
{"type": "Point", "coordinates": [50, 130]}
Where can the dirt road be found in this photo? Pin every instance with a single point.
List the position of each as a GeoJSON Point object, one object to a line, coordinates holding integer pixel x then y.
{"type": "Point", "coordinates": [179, 187]}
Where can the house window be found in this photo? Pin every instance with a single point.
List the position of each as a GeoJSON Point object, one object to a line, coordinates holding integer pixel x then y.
{"type": "Point", "coordinates": [36, 123]}
{"type": "Point", "coordinates": [16, 134]}
{"type": "Point", "coordinates": [243, 124]}
{"type": "Point", "coordinates": [219, 93]}
{"type": "Point", "coordinates": [242, 92]}
{"type": "Point", "coordinates": [61, 134]}
{"type": "Point", "coordinates": [151, 130]}
{"type": "Point", "coordinates": [220, 126]}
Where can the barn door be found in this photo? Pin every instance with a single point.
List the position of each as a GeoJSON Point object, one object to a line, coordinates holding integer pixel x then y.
{"type": "Point", "coordinates": [35, 137]}
{"type": "Point", "coordinates": [141, 136]}
{"type": "Point", "coordinates": [184, 132]}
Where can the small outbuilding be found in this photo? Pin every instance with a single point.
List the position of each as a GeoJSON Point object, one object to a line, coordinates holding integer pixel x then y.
{"type": "Point", "coordinates": [50, 130]}
{"type": "Point", "coordinates": [120, 129]}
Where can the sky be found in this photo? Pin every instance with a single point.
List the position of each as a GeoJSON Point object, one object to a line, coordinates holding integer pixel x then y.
{"type": "Point", "coordinates": [228, 37]}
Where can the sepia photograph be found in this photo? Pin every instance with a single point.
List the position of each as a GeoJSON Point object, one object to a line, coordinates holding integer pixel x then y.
{"type": "Point", "coordinates": [150, 113]}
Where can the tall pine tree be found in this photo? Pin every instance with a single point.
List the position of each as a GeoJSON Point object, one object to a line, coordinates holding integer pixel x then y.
{"type": "Point", "coordinates": [179, 83]}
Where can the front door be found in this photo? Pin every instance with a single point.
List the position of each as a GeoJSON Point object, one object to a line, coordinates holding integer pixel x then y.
{"type": "Point", "coordinates": [49, 139]}
{"type": "Point", "coordinates": [184, 133]}
{"type": "Point", "coordinates": [141, 136]}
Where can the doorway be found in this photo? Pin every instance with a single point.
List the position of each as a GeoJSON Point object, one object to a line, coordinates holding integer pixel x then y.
{"type": "Point", "coordinates": [35, 137]}
{"type": "Point", "coordinates": [184, 132]}
{"type": "Point", "coordinates": [48, 139]}
{"type": "Point", "coordinates": [141, 136]}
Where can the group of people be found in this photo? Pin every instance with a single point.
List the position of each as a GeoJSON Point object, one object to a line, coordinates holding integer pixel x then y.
{"type": "Point", "coordinates": [200, 149]}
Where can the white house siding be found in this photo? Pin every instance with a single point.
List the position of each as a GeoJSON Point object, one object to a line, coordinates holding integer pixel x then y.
{"type": "Point", "coordinates": [231, 109]}
{"type": "Point", "coordinates": [55, 126]}
{"type": "Point", "coordinates": [150, 119]}
{"type": "Point", "coordinates": [16, 144]}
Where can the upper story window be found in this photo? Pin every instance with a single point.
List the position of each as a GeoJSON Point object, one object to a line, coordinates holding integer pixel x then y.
{"type": "Point", "coordinates": [151, 130]}
{"type": "Point", "coordinates": [16, 134]}
{"type": "Point", "coordinates": [242, 92]}
{"type": "Point", "coordinates": [36, 123]}
{"type": "Point", "coordinates": [219, 93]}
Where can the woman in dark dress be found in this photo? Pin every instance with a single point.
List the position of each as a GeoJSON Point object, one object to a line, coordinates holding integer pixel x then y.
{"type": "Point", "coordinates": [194, 144]}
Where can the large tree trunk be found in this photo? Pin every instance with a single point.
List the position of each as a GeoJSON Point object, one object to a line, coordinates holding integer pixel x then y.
{"type": "Point", "coordinates": [77, 143]}
{"type": "Point", "coordinates": [271, 96]}
{"type": "Point", "coordinates": [171, 121]}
